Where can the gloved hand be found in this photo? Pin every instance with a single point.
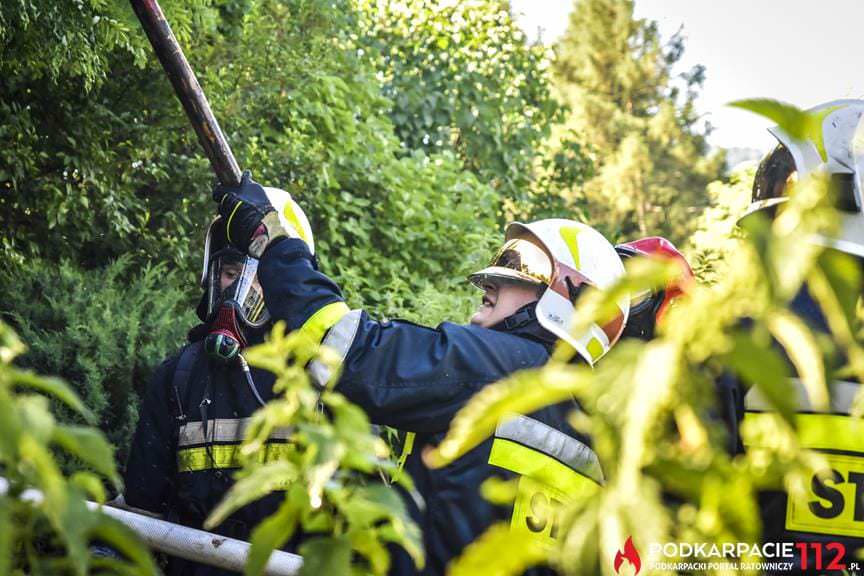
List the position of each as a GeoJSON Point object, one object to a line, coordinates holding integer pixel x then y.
{"type": "Point", "coordinates": [255, 216]}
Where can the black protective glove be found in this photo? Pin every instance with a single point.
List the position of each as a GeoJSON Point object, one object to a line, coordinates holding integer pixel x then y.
{"type": "Point", "coordinates": [251, 221]}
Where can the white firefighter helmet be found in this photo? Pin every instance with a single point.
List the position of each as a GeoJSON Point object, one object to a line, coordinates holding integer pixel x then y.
{"type": "Point", "coordinates": [291, 216]}
{"type": "Point", "coordinates": [838, 152]}
{"type": "Point", "coordinates": [218, 253]}
{"type": "Point", "coordinates": [565, 256]}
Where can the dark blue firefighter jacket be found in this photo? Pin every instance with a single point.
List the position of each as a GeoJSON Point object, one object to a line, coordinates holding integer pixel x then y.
{"type": "Point", "coordinates": [416, 378]}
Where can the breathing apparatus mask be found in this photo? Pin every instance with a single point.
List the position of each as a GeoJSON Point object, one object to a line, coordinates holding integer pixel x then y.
{"type": "Point", "coordinates": [234, 299]}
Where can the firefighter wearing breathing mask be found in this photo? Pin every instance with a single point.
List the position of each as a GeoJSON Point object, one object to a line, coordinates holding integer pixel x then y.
{"type": "Point", "coordinates": [828, 518]}
{"type": "Point", "coordinates": [194, 413]}
{"type": "Point", "coordinates": [415, 378]}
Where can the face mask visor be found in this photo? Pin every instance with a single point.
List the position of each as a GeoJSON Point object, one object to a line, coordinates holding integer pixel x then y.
{"type": "Point", "coordinates": [232, 280]}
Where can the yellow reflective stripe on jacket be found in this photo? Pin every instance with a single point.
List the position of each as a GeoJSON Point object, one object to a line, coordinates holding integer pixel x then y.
{"type": "Point", "coordinates": [554, 468]}
{"type": "Point", "coordinates": [323, 319]}
{"type": "Point", "coordinates": [528, 462]}
{"type": "Point", "coordinates": [221, 456]}
{"type": "Point", "coordinates": [842, 395]}
{"type": "Point", "coordinates": [817, 431]}
{"type": "Point", "coordinates": [552, 442]}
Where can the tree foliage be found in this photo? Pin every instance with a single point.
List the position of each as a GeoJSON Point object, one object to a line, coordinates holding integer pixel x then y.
{"type": "Point", "coordinates": [87, 159]}
{"type": "Point", "coordinates": [461, 77]}
{"type": "Point", "coordinates": [617, 75]}
{"type": "Point", "coordinates": [715, 237]}
{"type": "Point", "coordinates": [407, 130]}
{"type": "Point", "coordinates": [103, 331]}
{"type": "Point", "coordinates": [49, 531]}
{"type": "Point", "coordinates": [93, 167]}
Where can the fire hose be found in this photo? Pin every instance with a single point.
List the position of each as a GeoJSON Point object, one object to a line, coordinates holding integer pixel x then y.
{"type": "Point", "coordinates": [184, 542]}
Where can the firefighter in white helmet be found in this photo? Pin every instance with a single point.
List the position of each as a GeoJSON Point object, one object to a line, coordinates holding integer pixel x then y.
{"type": "Point", "coordinates": [415, 378]}
{"type": "Point", "coordinates": [832, 509]}
{"type": "Point", "coordinates": [563, 257]}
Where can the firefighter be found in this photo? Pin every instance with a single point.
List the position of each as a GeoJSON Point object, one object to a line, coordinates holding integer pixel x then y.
{"type": "Point", "coordinates": [415, 378]}
{"type": "Point", "coordinates": [649, 307]}
{"type": "Point", "coordinates": [194, 413]}
{"type": "Point", "coordinates": [831, 509]}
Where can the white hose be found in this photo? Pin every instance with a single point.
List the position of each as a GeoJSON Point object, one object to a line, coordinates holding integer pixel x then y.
{"type": "Point", "coordinates": [184, 542]}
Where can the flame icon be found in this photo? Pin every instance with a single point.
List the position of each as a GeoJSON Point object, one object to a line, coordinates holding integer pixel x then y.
{"type": "Point", "coordinates": [631, 554]}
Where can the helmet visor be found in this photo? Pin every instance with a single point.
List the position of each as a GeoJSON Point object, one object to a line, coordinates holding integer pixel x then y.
{"type": "Point", "coordinates": [517, 260]}
{"type": "Point", "coordinates": [772, 178]}
{"type": "Point", "coordinates": [232, 279]}
{"type": "Point", "coordinates": [777, 171]}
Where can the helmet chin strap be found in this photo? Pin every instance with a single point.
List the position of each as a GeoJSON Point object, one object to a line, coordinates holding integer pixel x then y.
{"type": "Point", "coordinates": [525, 320]}
{"type": "Point", "coordinates": [521, 317]}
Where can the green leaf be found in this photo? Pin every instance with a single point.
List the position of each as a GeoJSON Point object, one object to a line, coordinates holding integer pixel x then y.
{"type": "Point", "coordinates": [369, 504]}
{"type": "Point", "coordinates": [55, 388]}
{"type": "Point", "coordinates": [327, 454]}
{"type": "Point", "coordinates": [382, 507]}
{"type": "Point", "coordinates": [499, 491]}
{"type": "Point", "coordinates": [761, 365]}
{"type": "Point", "coordinates": [366, 543]}
{"type": "Point", "coordinates": [35, 417]}
{"type": "Point", "coordinates": [261, 481]}
{"type": "Point", "coordinates": [89, 445]}
{"type": "Point", "coordinates": [126, 542]}
{"type": "Point", "coordinates": [844, 275]}
{"type": "Point", "coordinates": [803, 350]}
{"type": "Point", "coordinates": [797, 123]}
{"type": "Point", "coordinates": [10, 426]}
{"type": "Point", "coordinates": [409, 537]}
{"type": "Point", "coordinates": [7, 535]}
{"type": "Point", "coordinates": [331, 556]}
{"type": "Point", "coordinates": [62, 503]}
{"type": "Point", "coordinates": [836, 287]}
{"type": "Point", "coordinates": [500, 551]}
{"type": "Point", "coordinates": [10, 345]}
{"type": "Point", "coordinates": [90, 484]}
{"type": "Point", "coordinates": [272, 533]}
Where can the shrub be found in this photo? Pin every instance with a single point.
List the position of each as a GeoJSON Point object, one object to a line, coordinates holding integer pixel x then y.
{"type": "Point", "coordinates": [103, 330]}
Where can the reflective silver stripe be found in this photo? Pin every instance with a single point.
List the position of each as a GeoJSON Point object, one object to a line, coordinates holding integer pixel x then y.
{"type": "Point", "coordinates": [543, 438]}
{"type": "Point", "coordinates": [842, 395]}
{"type": "Point", "coordinates": [339, 339]}
{"type": "Point", "coordinates": [223, 430]}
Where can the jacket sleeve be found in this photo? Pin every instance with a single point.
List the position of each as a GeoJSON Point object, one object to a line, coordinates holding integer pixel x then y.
{"type": "Point", "coordinates": [404, 375]}
{"type": "Point", "coordinates": [152, 465]}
